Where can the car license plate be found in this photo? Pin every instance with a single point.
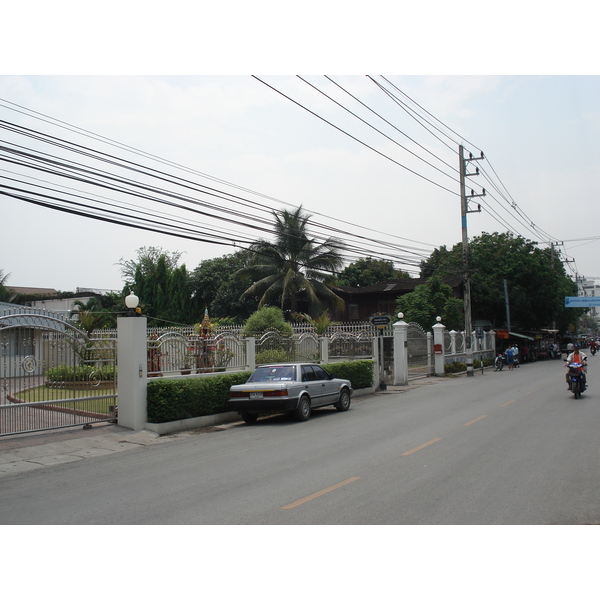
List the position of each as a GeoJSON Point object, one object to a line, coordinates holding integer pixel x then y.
{"type": "Point", "coordinates": [256, 395]}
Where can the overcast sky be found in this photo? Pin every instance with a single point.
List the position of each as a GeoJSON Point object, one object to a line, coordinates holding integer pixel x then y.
{"type": "Point", "coordinates": [539, 133]}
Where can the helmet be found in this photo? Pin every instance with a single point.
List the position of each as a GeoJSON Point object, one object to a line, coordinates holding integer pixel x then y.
{"type": "Point", "coordinates": [576, 346]}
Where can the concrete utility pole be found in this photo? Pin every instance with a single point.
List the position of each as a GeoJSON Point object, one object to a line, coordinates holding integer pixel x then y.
{"type": "Point", "coordinates": [464, 209]}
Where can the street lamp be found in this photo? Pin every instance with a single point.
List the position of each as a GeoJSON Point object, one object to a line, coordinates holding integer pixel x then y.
{"type": "Point", "coordinates": [132, 302]}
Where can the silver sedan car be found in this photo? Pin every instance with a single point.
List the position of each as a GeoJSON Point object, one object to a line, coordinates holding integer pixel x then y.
{"type": "Point", "coordinates": [295, 388]}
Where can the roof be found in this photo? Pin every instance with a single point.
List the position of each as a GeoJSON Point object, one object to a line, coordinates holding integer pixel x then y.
{"type": "Point", "coordinates": [396, 285]}
{"type": "Point", "coordinates": [33, 290]}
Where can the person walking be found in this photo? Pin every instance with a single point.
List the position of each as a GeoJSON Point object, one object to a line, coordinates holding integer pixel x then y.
{"type": "Point", "coordinates": [510, 361]}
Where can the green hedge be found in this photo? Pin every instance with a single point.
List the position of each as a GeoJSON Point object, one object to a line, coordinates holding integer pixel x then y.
{"type": "Point", "coordinates": [175, 399]}
{"type": "Point", "coordinates": [80, 373]}
{"type": "Point", "coordinates": [460, 367]}
{"type": "Point", "coordinates": [359, 372]}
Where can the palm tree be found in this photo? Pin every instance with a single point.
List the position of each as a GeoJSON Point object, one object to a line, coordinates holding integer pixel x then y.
{"type": "Point", "coordinates": [90, 315]}
{"type": "Point", "coordinates": [4, 291]}
{"type": "Point", "coordinates": [294, 265]}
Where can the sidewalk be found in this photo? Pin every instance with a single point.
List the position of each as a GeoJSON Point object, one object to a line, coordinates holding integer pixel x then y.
{"type": "Point", "coordinates": [26, 452]}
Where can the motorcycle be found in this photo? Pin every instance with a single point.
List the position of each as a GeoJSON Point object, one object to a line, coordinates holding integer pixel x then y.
{"type": "Point", "coordinates": [576, 378]}
{"type": "Point", "coordinates": [499, 362]}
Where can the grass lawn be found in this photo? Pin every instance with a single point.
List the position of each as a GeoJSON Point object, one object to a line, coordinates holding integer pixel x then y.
{"type": "Point", "coordinates": [43, 394]}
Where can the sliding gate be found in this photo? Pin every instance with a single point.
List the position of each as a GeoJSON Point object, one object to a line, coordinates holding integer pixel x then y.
{"type": "Point", "coordinates": [52, 375]}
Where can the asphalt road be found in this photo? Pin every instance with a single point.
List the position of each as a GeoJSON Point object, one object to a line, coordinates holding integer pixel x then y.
{"type": "Point", "coordinates": [512, 447]}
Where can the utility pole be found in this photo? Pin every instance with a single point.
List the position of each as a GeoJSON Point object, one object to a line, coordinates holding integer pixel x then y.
{"type": "Point", "coordinates": [464, 210]}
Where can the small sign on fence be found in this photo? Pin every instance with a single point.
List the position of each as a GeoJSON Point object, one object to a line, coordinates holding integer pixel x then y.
{"type": "Point", "coordinates": [380, 321]}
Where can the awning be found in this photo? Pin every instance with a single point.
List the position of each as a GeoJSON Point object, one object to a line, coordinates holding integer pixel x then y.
{"type": "Point", "coordinates": [520, 335]}
{"type": "Point", "coordinates": [504, 335]}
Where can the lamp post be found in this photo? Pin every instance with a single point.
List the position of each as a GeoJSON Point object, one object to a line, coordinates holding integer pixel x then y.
{"type": "Point", "coordinates": [131, 302]}
{"type": "Point", "coordinates": [132, 356]}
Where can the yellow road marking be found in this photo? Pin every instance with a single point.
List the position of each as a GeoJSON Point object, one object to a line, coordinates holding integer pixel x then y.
{"type": "Point", "coordinates": [509, 402]}
{"type": "Point", "coordinates": [321, 493]}
{"type": "Point", "coordinates": [421, 446]}
{"type": "Point", "coordinates": [475, 420]}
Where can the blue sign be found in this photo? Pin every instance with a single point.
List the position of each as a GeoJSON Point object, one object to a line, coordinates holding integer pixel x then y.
{"type": "Point", "coordinates": [581, 301]}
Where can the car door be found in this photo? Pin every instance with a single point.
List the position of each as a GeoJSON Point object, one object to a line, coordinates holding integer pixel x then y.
{"type": "Point", "coordinates": [327, 388]}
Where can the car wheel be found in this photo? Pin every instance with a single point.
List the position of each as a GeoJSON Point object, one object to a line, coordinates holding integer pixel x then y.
{"type": "Point", "coordinates": [249, 417]}
{"type": "Point", "coordinates": [302, 412]}
{"type": "Point", "coordinates": [343, 403]}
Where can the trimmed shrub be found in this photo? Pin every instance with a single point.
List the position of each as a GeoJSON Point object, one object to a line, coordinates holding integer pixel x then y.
{"type": "Point", "coordinates": [265, 357]}
{"type": "Point", "coordinates": [456, 367]}
{"type": "Point", "coordinates": [359, 372]}
{"type": "Point", "coordinates": [175, 399]}
{"type": "Point", "coordinates": [79, 373]}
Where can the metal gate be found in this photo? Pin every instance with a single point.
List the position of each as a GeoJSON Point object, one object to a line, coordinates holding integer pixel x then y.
{"type": "Point", "coordinates": [419, 351]}
{"type": "Point", "coordinates": [52, 375]}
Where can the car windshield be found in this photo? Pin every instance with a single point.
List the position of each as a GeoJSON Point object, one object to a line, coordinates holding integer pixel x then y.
{"type": "Point", "coordinates": [283, 373]}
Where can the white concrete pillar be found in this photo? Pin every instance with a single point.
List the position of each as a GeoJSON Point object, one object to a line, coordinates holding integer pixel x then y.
{"type": "Point", "coordinates": [400, 352]}
{"type": "Point", "coordinates": [251, 353]}
{"type": "Point", "coordinates": [324, 341]}
{"type": "Point", "coordinates": [133, 369]}
{"type": "Point", "coordinates": [438, 343]}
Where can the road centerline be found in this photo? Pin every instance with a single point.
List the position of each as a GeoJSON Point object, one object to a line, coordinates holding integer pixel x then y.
{"type": "Point", "coordinates": [475, 420]}
{"type": "Point", "coordinates": [320, 493]}
{"type": "Point", "coordinates": [421, 447]}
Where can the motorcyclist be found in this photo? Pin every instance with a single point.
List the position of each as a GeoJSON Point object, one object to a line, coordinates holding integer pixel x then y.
{"type": "Point", "coordinates": [577, 356]}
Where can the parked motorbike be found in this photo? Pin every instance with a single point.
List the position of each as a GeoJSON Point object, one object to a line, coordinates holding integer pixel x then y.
{"type": "Point", "coordinates": [499, 362]}
{"type": "Point", "coordinates": [576, 378]}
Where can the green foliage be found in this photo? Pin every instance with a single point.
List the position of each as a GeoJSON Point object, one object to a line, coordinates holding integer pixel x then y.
{"type": "Point", "coordinates": [214, 286]}
{"type": "Point", "coordinates": [91, 314]}
{"type": "Point", "coordinates": [460, 367]}
{"type": "Point", "coordinates": [4, 291]}
{"type": "Point", "coordinates": [537, 281]}
{"type": "Point", "coordinates": [359, 372]}
{"type": "Point", "coordinates": [369, 271]}
{"type": "Point", "coordinates": [266, 357]}
{"type": "Point", "coordinates": [268, 318]}
{"type": "Point", "coordinates": [79, 373]}
{"type": "Point", "coordinates": [162, 287]}
{"type": "Point", "coordinates": [455, 367]}
{"type": "Point", "coordinates": [175, 399]}
{"type": "Point", "coordinates": [320, 323]}
{"type": "Point", "coordinates": [430, 300]}
{"type": "Point", "coordinates": [294, 267]}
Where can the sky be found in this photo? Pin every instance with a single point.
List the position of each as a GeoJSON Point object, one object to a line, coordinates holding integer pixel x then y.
{"type": "Point", "coordinates": [539, 131]}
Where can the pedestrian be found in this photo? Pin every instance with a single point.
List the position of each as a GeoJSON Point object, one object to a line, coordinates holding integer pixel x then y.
{"type": "Point", "coordinates": [515, 350]}
{"type": "Point", "coordinates": [510, 358]}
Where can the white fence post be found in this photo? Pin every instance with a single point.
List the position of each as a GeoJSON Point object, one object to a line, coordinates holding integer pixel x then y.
{"type": "Point", "coordinates": [453, 342]}
{"type": "Point", "coordinates": [324, 350]}
{"type": "Point", "coordinates": [400, 352]}
{"type": "Point", "coordinates": [251, 353]}
{"type": "Point", "coordinates": [439, 350]}
{"type": "Point", "coordinates": [132, 349]}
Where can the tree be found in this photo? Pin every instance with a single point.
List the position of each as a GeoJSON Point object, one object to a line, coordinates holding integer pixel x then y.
{"type": "Point", "coordinates": [294, 266]}
{"type": "Point", "coordinates": [90, 315]}
{"type": "Point", "coordinates": [162, 286]}
{"type": "Point", "coordinates": [215, 287]}
{"type": "Point", "coordinates": [267, 318]}
{"type": "Point", "coordinates": [430, 300]}
{"type": "Point", "coordinates": [537, 282]}
{"type": "Point", "coordinates": [369, 271]}
{"type": "Point", "coordinates": [5, 292]}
